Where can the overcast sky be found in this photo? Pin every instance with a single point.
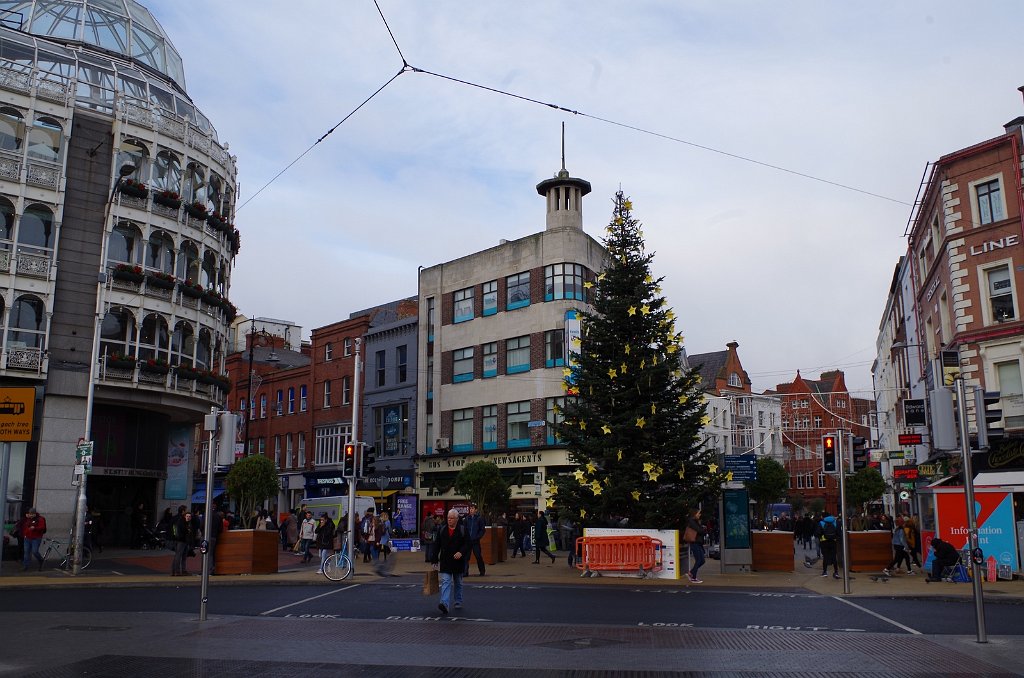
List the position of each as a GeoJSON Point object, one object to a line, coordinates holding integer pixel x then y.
{"type": "Point", "coordinates": [794, 269]}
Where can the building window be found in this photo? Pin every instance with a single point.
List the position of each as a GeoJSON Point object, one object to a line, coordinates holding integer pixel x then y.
{"type": "Point", "coordinates": [817, 422]}
{"type": "Point", "coordinates": [241, 405]}
{"type": "Point", "coordinates": [263, 406]}
{"type": "Point", "coordinates": [328, 351]}
{"type": "Point", "coordinates": [303, 398]}
{"type": "Point", "coordinates": [554, 348]}
{"type": "Point", "coordinates": [288, 450]}
{"type": "Point", "coordinates": [402, 363]}
{"type": "Point", "coordinates": [821, 480]}
{"type": "Point", "coordinates": [1000, 293]}
{"type": "Point", "coordinates": [261, 447]}
{"type": "Point", "coordinates": [760, 418]}
{"type": "Point", "coordinates": [490, 422]}
{"type": "Point", "coordinates": [291, 400]}
{"type": "Point", "coordinates": [800, 482]}
{"type": "Point", "coordinates": [279, 406]}
{"type": "Point", "coordinates": [277, 451]}
{"type": "Point", "coordinates": [462, 430]}
{"type": "Point", "coordinates": [327, 393]}
{"type": "Point", "coordinates": [462, 365]}
{"type": "Point", "coordinates": [743, 407]}
{"type": "Point", "coordinates": [563, 281]}
{"type": "Point", "coordinates": [490, 298]}
{"type": "Point", "coordinates": [490, 355]}
{"type": "Point", "coordinates": [463, 305]}
{"type": "Point", "coordinates": [1010, 392]}
{"type": "Point", "coordinates": [347, 347]}
{"type": "Point", "coordinates": [430, 434]}
{"type": "Point", "coordinates": [553, 416]}
{"type": "Point", "coordinates": [517, 355]}
{"type": "Point", "coordinates": [430, 378]}
{"type": "Point", "coordinates": [517, 291]}
{"type": "Point", "coordinates": [346, 390]}
{"type": "Point", "coordinates": [990, 202]}
{"type": "Point", "coordinates": [302, 450]}
{"type": "Point", "coordinates": [841, 403]}
{"type": "Point", "coordinates": [329, 441]}
{"type": "Point", "coordinates": [430, 319]}
{"type": "Point", "coordinates": [391, 429]}
{"type": "Point", "coordinates": [734, 380]}
{"type": "Point", "coordinates": [517, 423]}
{"type": "Point", "coordinates": [381, 371]}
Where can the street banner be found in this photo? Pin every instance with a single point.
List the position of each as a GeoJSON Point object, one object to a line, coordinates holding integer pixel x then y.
{"type": "Point", "coordinates": [670, 549]}
{"type": "Point", "coordinates": [404, 520]}
{"type": "Point", "coordinates": [179, 439]}
{"type": "Point", "coordinates": [996, 532]}
{"type": "Point", "coordinates": [736, 510]}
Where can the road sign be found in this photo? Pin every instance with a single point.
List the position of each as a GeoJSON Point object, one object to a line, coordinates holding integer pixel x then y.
{"type": "Point", "coordinates": [909, 438]}
{"type": "Point", "coordinates": [83, 456]}
{"type": "Point", "coordinates": [742, 467]}
{"type": "Point", "coordinates": [16, 409]}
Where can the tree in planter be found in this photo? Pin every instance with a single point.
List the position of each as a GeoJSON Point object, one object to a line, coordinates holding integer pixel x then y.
{"type": "Point", "coordinates": [797, 502]}
{"type": "Point", "coordinates": [817, 505]}
{"type": "Point", "coordinates": [633, 416]}
{"type": "Point", "coordinates": [481, 481]}
{"type": "Point", "coordinates": [863, 486]}
{"type": "Point", "coordinates": [251, 481]}
{"type": "Point", "coordinates": [770, 486]}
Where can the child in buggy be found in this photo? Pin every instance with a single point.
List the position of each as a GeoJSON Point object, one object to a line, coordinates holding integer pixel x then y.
{"type": "Point", "coordinates": [151, 539]}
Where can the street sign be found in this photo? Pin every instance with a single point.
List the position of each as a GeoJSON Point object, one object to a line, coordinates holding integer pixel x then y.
{"type": "Point", "coordinates": [742, 467]}
{"type": "Point", "coordinates": [895, 454]}
{"type": "Point", "coordinates": [16, 408]}
{"type": "Point", "coordinates": [83, 456]}
{"type": "Point", "coordinates": [927, 470]}
{"type": "Point", "coordinates": [914, 415]}
{"type": "Point", "coordinates": [909, 438]}
{"type": "Point", "coordinates": [905, 473]}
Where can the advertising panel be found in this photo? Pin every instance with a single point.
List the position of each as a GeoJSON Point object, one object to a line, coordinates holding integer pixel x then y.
{"type": "Point", "coordinates": [670, 549]}
{"type": "Point", "coordinates": [996, 535]}
{"type": "Point", "coordinates": [404, 520]}
{"type": "Point", "coordinates": [178, 441]}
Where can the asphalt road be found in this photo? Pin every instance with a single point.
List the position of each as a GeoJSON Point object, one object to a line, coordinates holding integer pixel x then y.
{"type": "Point", "coordinates": [401, 600]}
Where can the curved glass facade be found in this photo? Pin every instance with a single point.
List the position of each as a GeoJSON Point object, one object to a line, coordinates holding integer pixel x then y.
{"type": "Point", "coordinates": [120, 26]}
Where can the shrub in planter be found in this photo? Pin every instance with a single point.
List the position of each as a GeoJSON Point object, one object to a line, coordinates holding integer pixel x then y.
{"type": "Point", "coordinates": [128, 272]}
{"type": "Point", "coordinates": [135, 189]}
{"type": "Point", "coordinates": [196, 210]}
{"type": "Point", "coordinates": [167, 199]}
{"type": "Point", "coordinates": [164, 281]}
{"type": "Point", "coordinates": [155, 365]}
{"type": "Point", "coordinates": [187, 372]}
{"type": "Point", "coordinates": [191, 289]}
{"type": "Point", "coordinates": [117, 360]}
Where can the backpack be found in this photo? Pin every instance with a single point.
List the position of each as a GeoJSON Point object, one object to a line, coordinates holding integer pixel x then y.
{"type": "Point", "coordinates": [828, 530]}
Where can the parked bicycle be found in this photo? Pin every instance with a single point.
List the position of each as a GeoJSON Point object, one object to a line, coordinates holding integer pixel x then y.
{"type": "Point", "coordinates": [66, 551]}
{"type": "Point", "coordinates": [339, 565]}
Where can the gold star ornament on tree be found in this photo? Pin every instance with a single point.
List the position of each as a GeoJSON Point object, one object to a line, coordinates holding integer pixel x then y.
{"type": "Point", "coordinates": [606, 429]}
{"type": "Point", "coordinates": [635, 494]}
{"type": "Point", "coordinates": [578, 474]}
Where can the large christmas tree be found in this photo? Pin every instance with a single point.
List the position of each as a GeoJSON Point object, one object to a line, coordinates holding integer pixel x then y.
{"type": "Point", "coordinates": [633, 414]}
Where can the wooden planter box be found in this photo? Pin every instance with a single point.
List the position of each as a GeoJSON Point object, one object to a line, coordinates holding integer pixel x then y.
{"type": "Point", "coordinates": [247, 552]}
{"type": "Point", "coordinates": [492, 546]}
{"type": "Point", "coordinates": [772, 551]}
{"type": "Point", "coordinates": [869, 551]}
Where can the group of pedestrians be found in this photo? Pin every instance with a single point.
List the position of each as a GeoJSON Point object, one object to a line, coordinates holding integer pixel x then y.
{"type": "Point", "coordinates": [185, 530]}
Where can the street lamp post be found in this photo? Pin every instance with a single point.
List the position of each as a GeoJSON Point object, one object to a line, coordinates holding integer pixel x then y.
{"type": "Point", "coordinates": [272, 358]}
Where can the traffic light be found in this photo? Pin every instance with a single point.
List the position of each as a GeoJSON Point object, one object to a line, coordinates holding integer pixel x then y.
{"type": "Point", "coordinates": [943, 419]}
{"type": "Point", "coordinates": [350, 464]}
{"type": "Point", "coordinates": [369, 461]}
{"type": "Point", "coordinates": [859, 446]}
{"type": "Point", "coordinates": [830, 453]}
{"type": "Point", "coordinates": [986, 416]}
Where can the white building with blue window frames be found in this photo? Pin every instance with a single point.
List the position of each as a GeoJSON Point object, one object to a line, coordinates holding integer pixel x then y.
{"type": "Point", "coordinates": [492, 346]}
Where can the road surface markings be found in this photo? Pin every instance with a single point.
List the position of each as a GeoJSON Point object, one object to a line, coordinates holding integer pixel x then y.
{"type": "Point", "coordinates": [306, 600]}
{"type": "Point", "coordinates": [882, 617]}
{"type": "Point", "coordinates": [120, 574]}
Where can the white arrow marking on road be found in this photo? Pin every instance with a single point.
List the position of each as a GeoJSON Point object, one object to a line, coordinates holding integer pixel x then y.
{"type": "Point", "coordinates": [306, 600]}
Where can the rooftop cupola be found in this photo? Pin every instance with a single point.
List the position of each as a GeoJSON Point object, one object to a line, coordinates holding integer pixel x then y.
{"type": "Point", "coordinates": [564, 196]}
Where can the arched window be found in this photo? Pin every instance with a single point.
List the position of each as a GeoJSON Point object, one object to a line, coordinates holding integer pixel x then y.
{"type": "Point", "coordinates": [215, 192]}
{"type": "Point", "coordinates": [222, 278]}
{"type": "Point", "coordinates": [195, 183]}
{"type": "Point", "coordinates": [209, 271]}
{"type": "Point", "coordinates": [188, 262]}
{"type": "Point", "coordinates": [167, 172]}
{"type": "Point", "coordinates": [12, 129]}
{"type": "Point", "coordinates": [7, 226]}
{"type": "Point", "coordinates": [117, 333]}
{"type": "Point", "coordinates": [154, 339]}
{"type": "Point", "coordinates": [160, 253]}
{"type": "Point", "coordinates": [27, 325]}
{"type": "Point", "coordinates": [183, 344]}
{"type": "Point", "coordinates": [134, 152]}
{"type": "Point", "coordinates": [124, 245]}
{"type": "Point", "coordinates": [44, 140]}
{"type": "Point", "coordinates": [229, 202]}
{"type": "Point", "coordinates": [36, 227]}
{"type": "Point", "coordinates": [203, 349]}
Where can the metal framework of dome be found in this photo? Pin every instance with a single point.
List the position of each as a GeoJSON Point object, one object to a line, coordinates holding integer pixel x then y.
{"type": "Point", "coordinates": [121, 26]}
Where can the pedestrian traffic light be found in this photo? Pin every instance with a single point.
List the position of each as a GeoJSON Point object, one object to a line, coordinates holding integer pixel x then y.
{"type": "Point", "coordinates": [829, 453]}
{"type": "Point", "coordinates": [986, 413]}
{"type": "Point", "coordinates": [369, 461]}
{"type": "Point", "coordinates": [859, 447]}
{"type": "Point", "coordinates": [350, 464]}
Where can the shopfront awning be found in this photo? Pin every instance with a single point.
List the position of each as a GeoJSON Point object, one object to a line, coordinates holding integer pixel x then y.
{"type": "Point", "coordinates": [377, 494]}
{"type": "Point", "coordinates": [1000, 478]}
{"type": "Point", "coordinates": [199, 496]}
{"type": "Point", "coordinates": [939, 482]}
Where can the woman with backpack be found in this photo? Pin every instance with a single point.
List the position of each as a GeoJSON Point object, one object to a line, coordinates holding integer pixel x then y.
{"type": "Point", "coordinates": [696, 531]}
{"type": "Point", "coordinates": [827, 533]}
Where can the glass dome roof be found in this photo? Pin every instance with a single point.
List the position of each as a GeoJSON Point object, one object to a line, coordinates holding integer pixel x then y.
{"type": "Point", "coordinates": [121, 26]}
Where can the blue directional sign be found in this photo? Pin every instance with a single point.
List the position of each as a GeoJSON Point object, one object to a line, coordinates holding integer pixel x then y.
{"type": "Point", "coordinates": [743, 467]}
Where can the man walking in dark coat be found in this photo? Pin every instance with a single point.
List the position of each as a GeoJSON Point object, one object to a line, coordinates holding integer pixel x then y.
{"type": "Point", "coordinates": [451, 549]}
{"type": "Point", "coordinates": [475, 530]}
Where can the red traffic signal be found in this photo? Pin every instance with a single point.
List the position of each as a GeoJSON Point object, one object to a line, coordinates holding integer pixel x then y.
{"type": "Point", "coordinates": [349, 464]}
{"type": "Point", "coordinates": [829, 453]}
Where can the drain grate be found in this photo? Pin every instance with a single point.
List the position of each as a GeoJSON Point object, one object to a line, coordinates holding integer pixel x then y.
{"type": "Point", "coordinates": [88, 629]}
{"type": "Point", "coordinates": [580, 643]}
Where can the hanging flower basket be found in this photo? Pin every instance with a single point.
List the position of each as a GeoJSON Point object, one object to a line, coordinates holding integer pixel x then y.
{"type": "Point", "coordinates": [190, 289]}
{"type": "Point", "coordinates": [213, 298]}
{"type": "Point", "coordinates": [155, 366]}
{"type": "Point", "coordinates": [236, 241]}
{"type": "Point", "coordinates": [229, 309]}
{"type": "Point", "coordinates": [128, 272]}
{"type": "Point", "coordinates": [196, 210]}
{"type": "Point", "coordinates": [164, 281]}
{"type": "Point", "coordinates": [186, 372]}
{"type": "Point", "coordinates": [167, 199]}
{"type": "Point", "coordinates": [218, 222]}
{"type": "Point", "coordinates": [135, 189]}
{"type": "Point", "coordinates": [120, 362]}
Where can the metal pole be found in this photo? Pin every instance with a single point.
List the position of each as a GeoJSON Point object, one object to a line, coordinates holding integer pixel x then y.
{"type": "Point", "coordinates": [248, 396]}
{"type": "Point", "coordinates": [208, 519]}
{"type": "Point", "coordinates": [81, 503]}
{"type": "Point", "coordinates": [5, 467]}
{"type": "Point", "coordinates": [841, 459]}
{"type": "Point", "coordinates": [353, 481]}
{"type": "Point", "coordinates": [972, 518]}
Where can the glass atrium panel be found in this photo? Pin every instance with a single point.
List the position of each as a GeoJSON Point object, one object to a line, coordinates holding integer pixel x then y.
{"type": "Point", "coordinates": [135, 153]}
{"type": "Point", "coordinates": [106, 30]}
{"type": "Point", "coordinates": [44, 140]}
{"type": "Point", "coordinates": [56, 18]}
{"type": "Point", "coordinates": [16, 13]}
{"type": "Point", "coordinates": [185, 109]}
{"type": "Point", "coordinates": [12, 129]}
{"type": "Point", "coordinates": [141, 15]}
{"type": "Point", "coordinates": [36, 227]}
{"type": "Point", "coordinates": [175, 67]}
{"type": "Point", "coordinates": [147, 47]}
{"type": "Point", "coordinates": [121, 246]}
{"type": "Point", "coordinates": [188, 262]}
{"type": "Point", "coordinates": [133, 88]}
{"type": "Point", "coordinates": [161, 98]}
{"type": "Point", "coordinates": [167, 172]}
{"type": "Point", "coordinates": [17, 54]}
{"type": "Point", "coordinates": [114, 332]}
{"type": "Point", "coordinates": [115, 6]}
{"type": "Point", "coordinates": [95, 87]}
{"type": "Point", "coordinates": [56, 64]}
{"type": "Point", "coordinates": [27, 323]}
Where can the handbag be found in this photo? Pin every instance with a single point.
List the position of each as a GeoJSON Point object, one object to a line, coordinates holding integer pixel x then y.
{"type": "Point", "coordinates": [689, 535]}
{"type": "Point", "coordinates": [431, 583]}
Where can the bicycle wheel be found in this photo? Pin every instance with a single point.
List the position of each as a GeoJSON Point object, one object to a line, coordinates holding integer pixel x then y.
{"type": "Point", "coordinates": [86, 557]}
{"type": "Point", "coordinates": [338, 567]}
